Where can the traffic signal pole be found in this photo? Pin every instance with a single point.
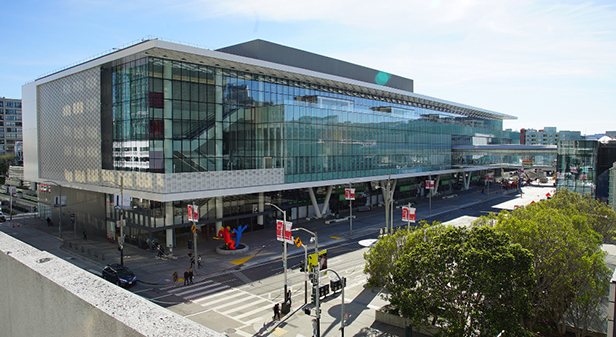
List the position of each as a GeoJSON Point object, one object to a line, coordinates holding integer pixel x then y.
{"type": "Point", "coordinates": [305, 274]}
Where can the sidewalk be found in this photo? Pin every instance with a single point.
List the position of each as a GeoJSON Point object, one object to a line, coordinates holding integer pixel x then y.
{"type": "Point", "coordinates": [263, 246]}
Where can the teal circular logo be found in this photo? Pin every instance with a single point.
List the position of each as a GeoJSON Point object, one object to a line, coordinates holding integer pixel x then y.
{"type": "Point", "coordinates": [381, 78]}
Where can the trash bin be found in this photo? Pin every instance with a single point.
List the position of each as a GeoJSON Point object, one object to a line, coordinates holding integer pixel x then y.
{"type": "Point", "coordinates": [286, 308]}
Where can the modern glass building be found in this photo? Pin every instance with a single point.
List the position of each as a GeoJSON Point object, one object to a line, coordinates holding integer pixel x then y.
{"type": "Point", "coordinates": [232, 129]}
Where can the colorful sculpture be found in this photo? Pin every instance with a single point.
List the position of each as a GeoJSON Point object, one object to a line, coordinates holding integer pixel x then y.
{"type": "Point", "coordinates": [226, 236]}
{"type": "Point", "coordinates": [238, 234]}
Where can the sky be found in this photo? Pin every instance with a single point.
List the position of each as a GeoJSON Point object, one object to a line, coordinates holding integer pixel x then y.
{"type": "Point", "coordinates": [549, 63]}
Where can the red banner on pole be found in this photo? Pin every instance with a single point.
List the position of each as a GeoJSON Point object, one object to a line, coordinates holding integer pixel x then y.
{"type": "Point", "coordinates": [190, 213]}
{"type": "Point", "coordinates": [283, 232]}
{"type": "Point", "coordinates": [430, 184]}
{"type": "Point", "coordinates": [349, 193]}
{"type": "Point", "coordinates": [279, 230]}
{"type": "Point", "coordinates": [408, 214]}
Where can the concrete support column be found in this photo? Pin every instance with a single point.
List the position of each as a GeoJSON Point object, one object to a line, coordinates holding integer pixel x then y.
{"type": "Point", "coordinates": [467, 180]}
{"type": "Point", "coordinates": [170, 239]}
{"type": "Point", "coordinates": [327, 197]}
{"type": "Point", "coordinates": [219, 214]}
{"type": "Point", "coordinates": [314, 202]}
{"type": "Point", "coordinates": [436, 184]}
{"type": "Point", "coordinates": [261, 208]}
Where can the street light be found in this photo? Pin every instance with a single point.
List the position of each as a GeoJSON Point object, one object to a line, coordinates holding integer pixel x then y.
{"type": "Point", "coordinates": [351, 197]}
{"type": "Point", "coordinates": [342, 307]}
{"type": "Point", "coordinates": [316, 276]}
{"type": "Point", "coordinates": [284, 255]}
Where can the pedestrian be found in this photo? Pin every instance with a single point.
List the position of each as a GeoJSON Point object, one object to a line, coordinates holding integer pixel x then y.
{"type": "Point", "coordinates": [289, 297]}
{"type": "Point", "coordinates": [185, 277]}
{"type": "Point", "coordinates": [192, 261]}
{"type": "Point", "coordinates": [276, 311]}
{"type": "Point", "coordinates": [483, 191]}
{"type": "Point", "coordinates": [85, 234]}
{"type": "Point", "coordinates": [199, 261]}
{"type": "Point", "coordinates": [314, 327]}
{"type": "Point", "coordinates": [190, 275]}
{"type": "Point", "coordinates": [48, 222]}
{"type": "Point", "coordinates": [175, 277]}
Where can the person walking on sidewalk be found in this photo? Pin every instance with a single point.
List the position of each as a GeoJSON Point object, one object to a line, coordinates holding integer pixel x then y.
{"type": "Point", "coordinates": [289, 297]}
{"type": "Point", "coordinates": [175, 277]}
{"type": "Point", "coordinates": [276, 312]}
{"type": "Point", "coordinates": [185, 277]}
{"type": "Point", "coordinates": [199, 262]}
{"type": "Point", "coordinates": [85, 234]}
{"type": "Point", "coordinates": [190, 276]}
{"type": "Point", "coordinates": [48, 222]}
{"type": "Point", "coordinates": [192, 262]}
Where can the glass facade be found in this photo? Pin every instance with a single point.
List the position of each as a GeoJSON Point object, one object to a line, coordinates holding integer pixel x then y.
{"type": "Point", "coordinates": [171, 117]}
{"type": "Point", "coordinates": [576, 166]}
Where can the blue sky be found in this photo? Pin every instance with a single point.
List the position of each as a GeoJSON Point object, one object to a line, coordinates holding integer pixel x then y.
{"type": "Point", "coordinates": [550, 63]}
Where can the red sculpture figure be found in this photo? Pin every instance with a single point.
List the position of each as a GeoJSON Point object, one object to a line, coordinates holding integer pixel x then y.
{"type": "Point", "coordinates": [226, 236]}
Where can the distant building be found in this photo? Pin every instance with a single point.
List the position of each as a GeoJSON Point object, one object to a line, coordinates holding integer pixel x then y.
{"type": "Point", "coordinates": [584, 166]}
{"type": "Point", "coordinates": [547, 136]}
{"type": "Point", "coordinates": [10, 124]}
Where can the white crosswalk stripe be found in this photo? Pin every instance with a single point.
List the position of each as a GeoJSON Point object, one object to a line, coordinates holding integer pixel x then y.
{"type": "Point", "coordinates": [235, 303]}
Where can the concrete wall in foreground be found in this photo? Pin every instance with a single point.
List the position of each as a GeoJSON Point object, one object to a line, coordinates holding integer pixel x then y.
{"type": "Point", "coordinates": [42, 295]}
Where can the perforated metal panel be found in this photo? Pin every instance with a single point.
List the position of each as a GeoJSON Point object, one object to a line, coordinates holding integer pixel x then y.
{"type": "Point", "coordinates": [69, 128]}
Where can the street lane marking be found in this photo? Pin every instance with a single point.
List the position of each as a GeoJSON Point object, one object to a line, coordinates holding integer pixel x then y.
{"type": "Point", "coordinates": [279, 331]}
{"type": "Point", "coordinates": [222, 297]}
{"type": "Point", "coordinates": [263, 307]}
{"type": "Point", "coordinates": [240, 261]}
{"type": "Point", "coordinates": [201, 294]}
{"type": "Point", "coordinates": [334, 237]}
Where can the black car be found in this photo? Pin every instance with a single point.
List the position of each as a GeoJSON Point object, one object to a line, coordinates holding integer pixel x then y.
{"type": "Point", "coordinates": [119, 275]}
{"type": "Point", "coordinates": [2, 216]}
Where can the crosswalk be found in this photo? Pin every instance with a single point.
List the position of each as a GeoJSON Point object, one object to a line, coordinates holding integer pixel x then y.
{"type": "Point", "coordinates": [235, 303]}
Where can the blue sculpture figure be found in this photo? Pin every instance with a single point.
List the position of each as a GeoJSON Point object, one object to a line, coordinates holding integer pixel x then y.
{"type": "Point", "coordinates": [238, 234]}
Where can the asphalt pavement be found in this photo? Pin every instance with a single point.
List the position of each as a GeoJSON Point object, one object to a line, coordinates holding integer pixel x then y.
{"type": "Point", "coordinates": [262, 243]}
{"type": "Point", "coordinates": [92, 254]}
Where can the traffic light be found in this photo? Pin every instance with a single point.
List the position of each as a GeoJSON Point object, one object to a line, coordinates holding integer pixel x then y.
{"type": "Point", "coordinates": [302, 265]}
{"type": "Point", "coordinates": [190, 246]}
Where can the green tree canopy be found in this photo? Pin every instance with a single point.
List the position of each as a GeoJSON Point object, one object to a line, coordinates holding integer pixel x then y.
{"type": "Point", "coordinates": [470, 280]}
{"type": "Point", "coordinates": [7, 160]}
{"type": "Point", "coordinates": [563, 235]}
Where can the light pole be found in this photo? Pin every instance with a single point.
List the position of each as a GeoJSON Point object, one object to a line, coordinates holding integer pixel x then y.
{"type": "Point", "coordinates": [342, 307]}
{"type": "Point", "coordinates": [316, 276]}
{"type": "Point", "coordinates": [284, 255]}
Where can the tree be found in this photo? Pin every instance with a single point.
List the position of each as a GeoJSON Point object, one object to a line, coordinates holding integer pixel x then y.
{"type": "Point", "coordinates": [470, 280]}
{"type": "Point", "coordinates": [7, 160]}
{"type": "Point", "coordinates": [568, 260]}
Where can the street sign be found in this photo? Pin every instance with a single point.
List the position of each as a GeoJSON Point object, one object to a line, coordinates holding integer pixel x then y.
{"type": "Point", "coordinates": [349, 193]}
{"type": "Point", "coordinates": [193, 228]}
{"type": "Point", "coordinates": [56, 201]}
{"type": "Point", "coordinates": [298, 242]}
{"type": "Point", "coordinates": [408, 214]}
{"type": "Point", "coordinates": [255, 208]}
{"type": "Point", "coordinates": [430, 184]}
{"type": "Point", "coordinates": [322, 260]}
{"type": "Point", "coordinates": [121, 201]}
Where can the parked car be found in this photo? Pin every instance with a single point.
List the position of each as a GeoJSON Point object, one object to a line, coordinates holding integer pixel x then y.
{"type": "Point", "coordinates": [2, 216]}
{"type": "Point", "coordinates": [119, 275]}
